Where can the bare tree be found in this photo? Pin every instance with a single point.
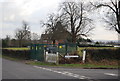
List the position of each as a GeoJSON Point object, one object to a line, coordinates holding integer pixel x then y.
{"type": "Point", "coordinates": [23, 34]}
{"type": "Point", "coordinates": [113, 13]}
{"type": "Point", "coordinates": [76, 16]}
{"type": "Point", "coordinates": [35, 37]}
{"type": "Point", "coordinates": [51, 22]}
{"type": "Point", "coordinates": [60, 32]}
{"type": "Point", "coordinates": [52, 25]}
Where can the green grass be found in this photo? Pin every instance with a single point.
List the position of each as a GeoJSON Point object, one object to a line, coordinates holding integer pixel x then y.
{"type": "Point", "coordinates": [74, 65]}
{"type": "Point", "coordinates": [22, 48]}
{"type": "Point", "coordinates": [87, 65]}
{"type": "Point", "coordinates": [41, 63]}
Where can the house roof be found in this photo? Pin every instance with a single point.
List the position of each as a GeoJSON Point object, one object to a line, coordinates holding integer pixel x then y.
{"type": "Point", "coordinates": [58, 36]}
{"type": "Point", "coordinates": [45, 36]}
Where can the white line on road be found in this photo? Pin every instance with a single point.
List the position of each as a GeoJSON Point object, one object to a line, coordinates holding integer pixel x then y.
{"type": "Point", "coordinates": [37, 67]}
{"type": "Point", "coordinates": [64, 73]}
{"type": "Point", "coordinates": [42, 68]}
{"type": "Point", "coordinates": [111, 74]}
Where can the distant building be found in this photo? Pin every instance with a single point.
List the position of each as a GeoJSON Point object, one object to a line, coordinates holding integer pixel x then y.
{"type": "Point", "coordinates": [45, 39]}
{"type": "Point", "coordinates": [91, 43]}
{"type": "Point", "coordinates": [59, 38]}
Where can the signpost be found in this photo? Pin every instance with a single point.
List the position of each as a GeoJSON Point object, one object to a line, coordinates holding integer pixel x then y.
{"type": "Point", "coordinates": [71, 56]}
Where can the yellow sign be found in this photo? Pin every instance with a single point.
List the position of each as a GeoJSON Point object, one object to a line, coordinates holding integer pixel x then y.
{"type": "Point", "coordinates": [44, 45]}
{"type": "Point", "coordinates": [60, 46]}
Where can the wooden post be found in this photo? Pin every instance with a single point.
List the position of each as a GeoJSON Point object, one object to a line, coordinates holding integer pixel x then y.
{"type": "Point", "coordinates": [46, 53]}
{"type": "Point", "coordinates": [57, 61]}
{"type": "Point", "coordinates": [44, 56]}
{"type": "Point", "coordinates": [84, 54]}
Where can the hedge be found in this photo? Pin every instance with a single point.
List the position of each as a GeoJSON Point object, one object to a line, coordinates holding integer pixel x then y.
{"type": "Point", "coordinates": [101, 54]}
{"type": "Point", "coordinates": [23, 54]}
{"type": "Point", "coordinates": [92, 54]}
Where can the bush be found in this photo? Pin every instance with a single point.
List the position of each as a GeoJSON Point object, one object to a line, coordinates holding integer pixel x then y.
{"type": "Point", "coordinates": [23, 54]}
{"type": "Point", "coordinates": [101, 54]}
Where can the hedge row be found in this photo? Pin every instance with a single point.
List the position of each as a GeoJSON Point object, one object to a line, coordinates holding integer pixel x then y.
{"type": "Point", "coordinates": [23, 54]}
{"type": "Point", "coordinates": [101, 54]}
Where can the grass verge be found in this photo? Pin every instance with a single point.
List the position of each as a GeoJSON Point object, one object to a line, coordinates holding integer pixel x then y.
{"type": "Point", "coordinates": [87, 65]}
{"type": "Point", "coordinates": [75, 65]}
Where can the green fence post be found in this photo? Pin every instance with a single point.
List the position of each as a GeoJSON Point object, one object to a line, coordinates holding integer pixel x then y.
{"type": "Point", "coordinates": [66, 48]}
{"type": "Point", "coordinates": [35, 53]}
{"type": "Point", "coordinates": [76, 46]}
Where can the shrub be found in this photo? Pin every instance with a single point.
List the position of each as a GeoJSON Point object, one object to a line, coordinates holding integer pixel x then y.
{"type": "Point", "coordinates": [101, 54]}
{"type": "Point", "coordinates": [23, 54]}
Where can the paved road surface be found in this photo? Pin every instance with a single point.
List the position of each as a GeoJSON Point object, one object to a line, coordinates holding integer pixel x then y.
{"type": "Point", "coordinates": [18, 70]}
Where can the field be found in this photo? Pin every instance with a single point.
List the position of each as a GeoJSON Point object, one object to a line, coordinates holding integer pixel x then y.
{"type": "Point", "coordinates": [22, 48]}
{"type": "Point", "coordinates": [63, 50]}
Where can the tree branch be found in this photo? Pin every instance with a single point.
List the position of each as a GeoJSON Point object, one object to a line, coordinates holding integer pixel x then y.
{"type": "Point", "coordinates": [100, 5]}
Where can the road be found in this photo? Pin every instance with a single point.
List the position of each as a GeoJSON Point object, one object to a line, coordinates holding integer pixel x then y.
{"type": "Point", "coordinates": [18, 70]}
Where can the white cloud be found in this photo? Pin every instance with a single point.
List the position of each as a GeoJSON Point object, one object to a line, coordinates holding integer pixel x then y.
{"type": "Point", "coordinates": [30, 6]}
{"type": "Point", "coordinates": [100, 33]}
{"type": "Point", "coordinates": [32, 11]}
{"type": "Point", "coordinates": [10, 18]}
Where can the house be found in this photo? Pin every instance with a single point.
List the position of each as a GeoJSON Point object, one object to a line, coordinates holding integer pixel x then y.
{"type": "Point", "coordinates": [58, 37]}
{"type": "Point", "coordinates": [58, 34]}
{"type": "Point", "coordinates": [45, 39]}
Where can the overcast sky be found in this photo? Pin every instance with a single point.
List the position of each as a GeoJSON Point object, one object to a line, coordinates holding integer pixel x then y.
{"type": "Point", "coordinates": [13, 12]}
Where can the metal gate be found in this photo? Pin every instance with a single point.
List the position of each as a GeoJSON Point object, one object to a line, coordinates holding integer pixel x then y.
{"type": "Point", "coordinates": [37, 52]}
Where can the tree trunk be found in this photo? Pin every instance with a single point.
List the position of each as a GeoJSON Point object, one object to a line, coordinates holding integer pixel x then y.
{"type": "Point", "coordinates": [54, 42]}
{"type": "Point", "coordinates": [20, 43]}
